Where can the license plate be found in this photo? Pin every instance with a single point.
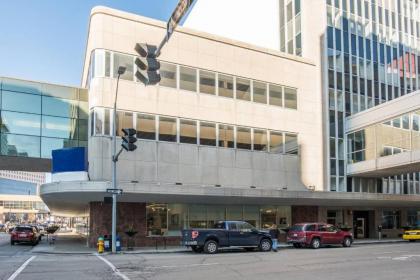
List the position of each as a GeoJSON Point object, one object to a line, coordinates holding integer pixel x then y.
{"type": "Point", "coordinates": [22, 235]}
{"type": "Point", "coordinates": [413, 233]}
{"type": "Point", "coordinates": [190, 243]}
{"type": "Point", "coordinates": [295, 235]}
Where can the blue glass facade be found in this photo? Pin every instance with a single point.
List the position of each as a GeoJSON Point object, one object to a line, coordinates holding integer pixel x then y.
{"type": "Point", "coordinates": [373, 57]}
{"type": "Point", "coordinates": [36, 118]}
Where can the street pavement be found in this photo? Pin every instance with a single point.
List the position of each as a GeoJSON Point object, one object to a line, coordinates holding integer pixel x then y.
{"type": "Point", "coordinates": [380, 261]}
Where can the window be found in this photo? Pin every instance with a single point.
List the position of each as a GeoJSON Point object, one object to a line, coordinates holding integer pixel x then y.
{"type": "Point", "coordinates": [290, 98]}
{"type": "Point", "coordinates": [243, 89]}
{"type": "Point", "coordinates": [21, 102]}
{"type": "Point", "coordinates": [225, 85]}
{"type": "Point", "coordinates": [276, 95]}
{"type": "Point", "coordinates": [188, 132]}
{"type": "Point", "coordinates": [20, 123]}
{"type": "Point", "coordinates": [59, 107]}
{"type": "Point", "coordinates": [156, 214]}
{"type": "Point", "coordinates": [127, 62]}
{"type": "Point", "coordinates": [49, 144]}
{"type": "Point", "coordinates": [167, 129]}
{"type": "Point", "coordinates": [124, 120]}
{"type": "Point", "coordinates": [207, 134]}
{"type": "Point", "coordinates": [168, 75]}
{"type": "Point", "coordinates": [207, 82]}
{"type": "Point", "coordinates": [146, 128]}
{"type": "Point", "coordinates": [260, 140]}
{"type": "Point", "coordinates": [107, 122]}
{"type": "Point", "coordinates": [243, 138]}
{"type": "Point", "coordinates": [260, 92]}
{"type": "Point", "coordinates": [276, 142]}
{"type": "Point", "coordinates": [226, 136]}
{"type": "Point", "coordinates": [187, 78]}
{"type": "Point", "coordinates": [20, 145]}
{"type": "Point", "coordinates": [390, 219]}
{"type": "Point", "coordinates": [291, 144]}
{"type": "Point", "coordinates": [59, 127]}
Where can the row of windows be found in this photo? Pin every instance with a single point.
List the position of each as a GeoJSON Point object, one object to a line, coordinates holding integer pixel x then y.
{"type": "Point", "coordinates": [170, 129]}
{"type": "Point", "coordinates": [198, 80]}
{"type": "Point", "coordinates": [25, 205]}
{"type": "Point", "coordinates": [290, 27]}
{"type": "Point", "coordinates": [40, 125]}
{"type": "Point", "coordinates": [45, 105]}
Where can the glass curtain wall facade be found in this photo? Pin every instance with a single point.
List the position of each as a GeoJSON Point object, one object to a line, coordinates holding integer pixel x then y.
{"type": "Point", "coordinates": [372, 49]}
{"type": "Point", "coordinates": [36, 118]}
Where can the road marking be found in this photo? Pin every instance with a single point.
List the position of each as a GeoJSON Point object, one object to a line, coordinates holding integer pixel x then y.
{"type": "Point", "coordinates": [114, 269]}
{"type": "Point", "coordinates": [179, 266]}
{"type": "Point", "coordinates": [21, 268]}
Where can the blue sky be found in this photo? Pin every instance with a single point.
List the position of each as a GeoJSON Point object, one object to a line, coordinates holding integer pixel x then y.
{"type": "Point", "coordinates": [44, 40]}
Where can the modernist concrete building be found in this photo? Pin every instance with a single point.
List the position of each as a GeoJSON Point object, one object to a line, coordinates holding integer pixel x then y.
{"type": "Point", "coordinates": [246, 128]}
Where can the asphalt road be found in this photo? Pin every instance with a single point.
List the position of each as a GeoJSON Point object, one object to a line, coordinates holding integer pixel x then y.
{"type": "Point", "coordinates": [386, 261]}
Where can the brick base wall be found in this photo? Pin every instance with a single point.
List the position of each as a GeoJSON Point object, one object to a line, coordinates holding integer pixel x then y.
{"type": "Point", "coordinates": [128, 215]}
{"type": "Point", "coordinates": [302, 214]}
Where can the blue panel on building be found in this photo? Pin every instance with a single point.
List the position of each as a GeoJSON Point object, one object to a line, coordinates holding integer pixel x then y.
{"type": "Point", "coordinates": [69, 160]}
{"type": "Point", "coordinates": [17, 187]}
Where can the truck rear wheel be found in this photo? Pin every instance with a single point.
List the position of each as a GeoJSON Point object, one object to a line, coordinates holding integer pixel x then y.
{"type": "Point", "coordinates": [211, 247]}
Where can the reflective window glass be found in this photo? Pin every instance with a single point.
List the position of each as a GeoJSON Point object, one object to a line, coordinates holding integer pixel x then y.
{"type": "Point", "coordinates": [243, 89]}
{"type": "Point", "coordinates": [20, 123]}
{"type": "Point", "coordinates": [188, 132]}
{"type": "Point", "coordinates": [107, 64]}
{"type": "Point", "coordinates": [291, 144]}
{"type": "Point", "coordinates": [82, 129]}
{"type": "Point", "coordinates": [207, 134]}
{"type": "Point", "coordinates": [127, 62]}
{"type": "Point", "coordinates": [259, 92]}
{"type": "Point", "coordinates": [276, 142]}
{"type": "Point", "coordinates": [59, 107]}
{"type": "Point", "coordinates": [226, 136]}
{"type": "Point", "coordinates": [49, 144]}
{"type": "Point", "coordinates": [99, 119]}
{"type": "Point", "coordinates": [187, 78]}
{"type": "Point", "coordinates": [59, 127]}
{"type": "Point", "coordinates": [146, 128]}
{"type": "Point", "coordinates": [60, 91]}
{"type": "Point", "coordinates": [207, 82]}
{"type": "Point", "coordinates": [260, 140]}
{"type": "Point", "coordinates": [83, 110]}
{"type": "Point", "coordinates": [168, 75]}
{"type": "Point", "coordinates": [21, 86]}
{"type": "Point", "coordinates": [167, 129]}
{"type": "Point", "coordinates": [225, 85]}
{"type": "Point", "coordinates": [20, 145]}
{"type": "Point", "coordinates": [107, 122]}
{"type": "Point", "coordinates": [157, 219]}
{"type": "Point", "coordinates": [21, 102]}
{"type": "Point", "coordinates": [290, 98]}
{"type": "Point", "coordinates": [276, 95]}
{"type": "Point", "coordinates": [243, 138]}
{"type": "Point", "coordinates": [124, 120]}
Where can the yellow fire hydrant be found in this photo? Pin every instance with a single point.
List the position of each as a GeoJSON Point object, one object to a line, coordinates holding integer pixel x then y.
{"type": "Point", "coordinates": [101, 245]}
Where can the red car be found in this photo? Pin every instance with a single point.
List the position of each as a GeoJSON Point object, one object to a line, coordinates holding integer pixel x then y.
{"type": "Point", "coordinates": [315, 235]}
{"type": "Point", "coordinates": [27, 234]}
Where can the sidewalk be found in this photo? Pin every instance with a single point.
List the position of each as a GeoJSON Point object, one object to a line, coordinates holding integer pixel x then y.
{"type": "Point", "coordinates": [72, 243]}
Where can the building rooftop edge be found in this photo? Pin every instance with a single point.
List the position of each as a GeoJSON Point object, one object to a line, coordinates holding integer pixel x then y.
{"type": "Point", "coordinates": [180, 29]}
{"type": "Point", "coordinates": [40, 82]}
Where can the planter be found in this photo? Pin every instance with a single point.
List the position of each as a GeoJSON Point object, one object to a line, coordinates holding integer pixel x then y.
{"type": "Point", "coordinates": [130, 241]}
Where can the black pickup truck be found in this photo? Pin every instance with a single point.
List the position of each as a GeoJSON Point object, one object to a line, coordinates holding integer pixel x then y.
{"type": "Point", "coordinates": [226, 234]}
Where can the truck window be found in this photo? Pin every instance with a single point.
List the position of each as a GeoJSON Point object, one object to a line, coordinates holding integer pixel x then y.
{"type": "Point", "coordinates": [233, 226]}
{"type": "Point", "coordinates": [219, 225]}
{"type": "Point", "coordinates": [245, 226]}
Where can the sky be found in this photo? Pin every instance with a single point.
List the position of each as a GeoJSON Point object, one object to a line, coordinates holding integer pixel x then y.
{"type": "Point", "coordinates": [44, 40]}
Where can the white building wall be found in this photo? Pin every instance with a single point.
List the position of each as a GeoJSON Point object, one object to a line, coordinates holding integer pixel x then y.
{"type": "Point", "coordinates": [250, 21]}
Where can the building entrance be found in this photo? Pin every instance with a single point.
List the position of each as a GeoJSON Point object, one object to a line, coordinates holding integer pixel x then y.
{"type": "Point", "coordinates": [361, 224]}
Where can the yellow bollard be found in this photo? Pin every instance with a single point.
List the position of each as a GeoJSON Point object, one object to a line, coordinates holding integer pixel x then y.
{"type": "Point", "coordinates": [101, 245]}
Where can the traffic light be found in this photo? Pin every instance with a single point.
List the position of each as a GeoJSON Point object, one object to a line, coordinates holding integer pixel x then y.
{"type": "Point", "coordinates": [148, 65]}
{"type": "Point", "coordinates": [129, 139]}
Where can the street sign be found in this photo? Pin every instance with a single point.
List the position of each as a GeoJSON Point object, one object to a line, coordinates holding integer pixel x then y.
{"type": "Point", "coordinates": [115, 191]}
{"type": "Point", "coordinates": [180, 10]}
{"type": "Point", "coordinates": [178, 13]}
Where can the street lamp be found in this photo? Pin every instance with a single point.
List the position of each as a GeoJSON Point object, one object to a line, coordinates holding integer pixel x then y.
{"type": "Point", "coordinates": [121, 70]}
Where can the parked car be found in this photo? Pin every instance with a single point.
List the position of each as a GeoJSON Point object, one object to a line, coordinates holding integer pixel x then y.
{"type": "Point", "coordinates": [412, 234]}
{"type": "Point", "coordinates": [25, 234]}
{"type": "Point", "coordinates": [315, 235]}
{"type": "Point", "coordinates": [226, 234]}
